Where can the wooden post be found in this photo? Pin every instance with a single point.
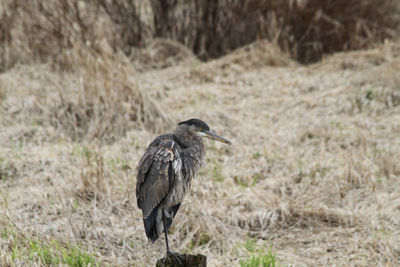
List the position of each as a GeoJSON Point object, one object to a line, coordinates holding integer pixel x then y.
{"type": "Point", "coordinates": [183, 260]}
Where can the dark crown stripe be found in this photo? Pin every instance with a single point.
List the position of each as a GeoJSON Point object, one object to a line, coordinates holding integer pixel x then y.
{"type": "Point", "coordinates": [196, 122]}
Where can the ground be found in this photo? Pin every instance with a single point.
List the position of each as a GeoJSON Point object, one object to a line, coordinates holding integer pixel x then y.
{"type": "Point", "coordinates": [313, 175]}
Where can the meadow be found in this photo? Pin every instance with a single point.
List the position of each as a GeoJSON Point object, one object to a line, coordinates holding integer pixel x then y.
{"type": "Point", "coordinates": [312, 178]}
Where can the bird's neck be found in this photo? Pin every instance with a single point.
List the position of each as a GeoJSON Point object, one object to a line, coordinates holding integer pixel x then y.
{"type": "Point", "coordinates": [192, 155]}
{"type": "Point", "coordinates": [187, 141]}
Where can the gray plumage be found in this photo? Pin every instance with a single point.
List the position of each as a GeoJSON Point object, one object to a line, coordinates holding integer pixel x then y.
{"type": "Point", "coordinates": [165, 172]}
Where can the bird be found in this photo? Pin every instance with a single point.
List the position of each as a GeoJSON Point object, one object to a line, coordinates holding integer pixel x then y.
{"type": "Point", "coordinates": [165, 172]}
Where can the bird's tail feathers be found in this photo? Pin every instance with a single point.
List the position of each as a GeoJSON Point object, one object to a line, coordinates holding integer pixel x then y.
{"type": "Point", "coordinates": [150, 226]}
{"type": "Point", "coordinates": [153, 223]}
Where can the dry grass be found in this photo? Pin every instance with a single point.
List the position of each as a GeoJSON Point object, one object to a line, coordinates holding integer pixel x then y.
{"type": "Point", "coordinates": [100, 100]}
{"type": "Point", "coordinates": [313, 173]}
{"type": "Point", "coordinates": [41, 31]}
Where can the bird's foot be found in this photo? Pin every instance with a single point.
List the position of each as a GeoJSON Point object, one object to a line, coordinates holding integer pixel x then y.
{"type": "Point", "coordinates": [174, 257]}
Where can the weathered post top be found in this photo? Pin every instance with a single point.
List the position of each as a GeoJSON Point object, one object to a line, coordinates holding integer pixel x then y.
{"type": "Point", "coordinates": [183, 260]}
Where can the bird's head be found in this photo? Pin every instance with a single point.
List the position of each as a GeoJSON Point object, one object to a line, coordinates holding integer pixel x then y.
{"type": "Point", "coordinates": [201, 129]}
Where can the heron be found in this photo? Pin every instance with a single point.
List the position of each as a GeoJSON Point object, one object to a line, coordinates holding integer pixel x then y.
{"type": "Point", "coordinates": [165, 172]}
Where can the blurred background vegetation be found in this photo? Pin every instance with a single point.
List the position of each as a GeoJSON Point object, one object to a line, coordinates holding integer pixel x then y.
{"type": "Point", "coordinates": [305, 29]}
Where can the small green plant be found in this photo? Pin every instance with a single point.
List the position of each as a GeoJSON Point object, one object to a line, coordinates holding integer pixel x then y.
{"type": "Point", "coordinates": [53, 253]}
{"type": "Point", "coordinates": [259, 257]}
{"type": "Point", "coordinates": [250, 245]}
{"type": "Point", "coordinates": [191, 245]}
{"type": "Point", "coordinates": [42, 252]}
{"type": "Point", "coordinates": [75, 206]}
{"type": "Point", "coordinates": [260, 260]}
{"type": "Point", "coordinates": [86, 152]}
{"type": "Point", "coordinates": [369, 95]}
{"type": "Point", "coordinates": [8, 233]}
{"type": "Point", "coordinates": [257, 155]}
{"type": "Point", "coordinates": [256, 178]}
{"type": "Point", "coordinates": [204, 239]}
{"type": "Point", "coordinates": [81, 151]}
{"type": "Point", "coordinates": [76, 257]}
{"type": "Point", "coordinates": [240, 182]}
{"type": "Point", "coordinates": [15, 252]}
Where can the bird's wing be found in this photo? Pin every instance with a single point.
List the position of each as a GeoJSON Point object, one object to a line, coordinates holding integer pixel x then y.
{"type": "Point", "coordinates": [156, 174]}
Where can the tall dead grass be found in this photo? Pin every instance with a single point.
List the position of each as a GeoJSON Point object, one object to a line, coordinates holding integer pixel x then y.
{"type": "Point", "coordinates": [306, 29]}
{"type": "Point", "coordinates": [41, 30]}
{"type": "Point", "coordinates": [107, 102]}
{"type": "Point", "coordinates": [99, 100]}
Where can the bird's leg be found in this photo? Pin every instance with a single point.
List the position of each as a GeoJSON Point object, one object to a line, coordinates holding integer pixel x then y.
{"type": "Point", "coordinates": [169, 252]}
{"type": "Point", "coordinates": [166, 235]}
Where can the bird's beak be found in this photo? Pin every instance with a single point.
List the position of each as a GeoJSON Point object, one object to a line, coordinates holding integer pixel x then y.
{"type": "Point", "coordinates": [214, 136]}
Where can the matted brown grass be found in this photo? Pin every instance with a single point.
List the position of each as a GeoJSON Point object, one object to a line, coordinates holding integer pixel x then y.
{"type": "Point", "coordinates": [313, 173]}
